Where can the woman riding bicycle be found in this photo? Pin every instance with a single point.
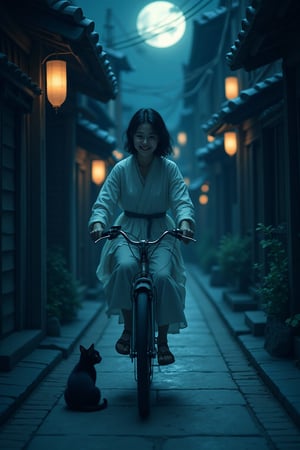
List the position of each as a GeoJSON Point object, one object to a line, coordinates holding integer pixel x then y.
{"type": "Point", "coordinates": [145, 186]}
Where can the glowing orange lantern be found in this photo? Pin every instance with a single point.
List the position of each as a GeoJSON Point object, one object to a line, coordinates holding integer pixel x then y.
{"type": "Point", "coordinates": [98, 171]}
{"type": "Point", "coordinates": [231, 87]}
{"type": "Point", "coordinates": [182, 138]}
{"type": "Point", "coordinates": [230, 143]}
{"type": "Point", "coordinates": [203, 199]}
{"type": "Point", "coordinates": [56, 79]}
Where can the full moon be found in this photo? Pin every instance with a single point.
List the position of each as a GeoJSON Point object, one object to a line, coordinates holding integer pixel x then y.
{"type": "Point", "coordinates": [161, 24]}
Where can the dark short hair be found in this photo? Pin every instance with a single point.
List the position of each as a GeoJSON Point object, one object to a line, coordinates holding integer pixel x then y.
{"type": "Point", "coordinates": [149, 115]}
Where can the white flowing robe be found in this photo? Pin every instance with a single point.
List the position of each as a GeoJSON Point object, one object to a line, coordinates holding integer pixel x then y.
{"type": "Point", "coordinates": [162, 190]}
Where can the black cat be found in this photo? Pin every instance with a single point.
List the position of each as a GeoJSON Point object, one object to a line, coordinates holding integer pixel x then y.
{"type": "Point", "coordinates": [82, 393]}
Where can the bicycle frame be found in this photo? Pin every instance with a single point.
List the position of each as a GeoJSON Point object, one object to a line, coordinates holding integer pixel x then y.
{"type": "Point", "coordinates": [143, 283]}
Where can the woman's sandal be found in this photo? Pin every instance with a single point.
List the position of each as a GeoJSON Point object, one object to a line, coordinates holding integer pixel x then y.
{"type": "Point", "coordinates": [164, 355]}
{"type": "Point", "coordinates": [123, 344]}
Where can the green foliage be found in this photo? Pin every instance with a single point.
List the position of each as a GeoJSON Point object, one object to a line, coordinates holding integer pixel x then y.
{"type": "Point", "coordinates": [234, 259]}
{"type": "Point", "coordinates": [63, 300]}
{"type": "Point", "coordinates": [273, 286]}
{"type": "Point", "coordinates": [294, 323]}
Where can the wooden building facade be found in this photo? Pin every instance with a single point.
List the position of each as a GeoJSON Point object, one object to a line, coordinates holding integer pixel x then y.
{"type": "Point", "coordinates": [45, 158]}
{"type": "Point", "coordinates": [257, 43]}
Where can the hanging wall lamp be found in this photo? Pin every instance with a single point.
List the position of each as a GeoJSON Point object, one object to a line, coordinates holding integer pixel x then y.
{"type": "Point", "coordinates": [205, 188]}
{"type": "Point", "coordinates": [98, 171]}
{"type": "Point", "coordinates": [203, 199]}
{"type": "Point", "coordinates": [231, 87]}
{"type": "Point", "coordinates": [56, 82]}
{"type": "Point", "coordinates": [176, 152]}
{"type": "Point", "coordinates": [230, 142]}
{"type": "Point", "coordinates": [182, 138]}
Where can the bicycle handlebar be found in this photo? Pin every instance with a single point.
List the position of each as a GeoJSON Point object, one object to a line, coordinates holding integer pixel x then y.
{"type": "Point", "coordinates": [115, 231]}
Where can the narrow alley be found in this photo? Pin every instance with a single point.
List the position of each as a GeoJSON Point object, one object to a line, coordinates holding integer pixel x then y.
{"type": "Point", "coordinates": [211, 398]}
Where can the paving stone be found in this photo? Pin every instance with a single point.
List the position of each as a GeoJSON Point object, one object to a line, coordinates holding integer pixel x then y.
{"type": "Point", "coordinates": [216, 443]}
{"type": "Point", "coordinates": [212, 398]}
{"type": "Point", "coordinates": [169, 421]}
{"type": "Point", "coordinates": [94, 442]}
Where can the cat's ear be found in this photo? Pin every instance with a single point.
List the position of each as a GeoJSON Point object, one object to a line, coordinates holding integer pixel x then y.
{"type": "Point", "coordinates": [82, 349]}
{"type": "Point", "coordinates": [91, 347]}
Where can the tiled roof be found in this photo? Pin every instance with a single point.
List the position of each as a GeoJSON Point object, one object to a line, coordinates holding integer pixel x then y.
{"type": "Point", "coordinates": [15, 75]}
{"type": "Point", "coordinates": [94, 111]}
{"type": "Point", "coordinates": [120, 60]}
{"type": "Point", "coordinates": [197, 182]}
{"type": "Point", "coordinates": [249, 103]}
{"type": "Point", "coordinates": [203, 153]}
{"type": "Point", "coordinates": [64, 25]}
{"type": "Point", "coordinates": [208, 16]}
{"type": "Point", "coordinates": [97, 131]}
{"type": "Point", "coordinates": [268, 30]}
{"type": "Point", "coordinates": [207, 28]}
{"type": "Point", "coordinates": [96, 140]}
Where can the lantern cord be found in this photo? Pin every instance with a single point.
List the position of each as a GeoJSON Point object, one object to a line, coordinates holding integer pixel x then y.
{"type": "Point", "coordinates": [56, 54]}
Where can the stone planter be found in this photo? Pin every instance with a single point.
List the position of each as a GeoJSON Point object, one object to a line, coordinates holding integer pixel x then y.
{"type": "Point", "coordinates": [278, 338]}
{"type": "Point", "coordinates": [216, 277]}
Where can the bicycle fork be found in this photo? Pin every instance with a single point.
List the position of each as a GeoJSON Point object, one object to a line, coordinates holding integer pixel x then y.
{"type": "Point", "coordinates": [144, 284]}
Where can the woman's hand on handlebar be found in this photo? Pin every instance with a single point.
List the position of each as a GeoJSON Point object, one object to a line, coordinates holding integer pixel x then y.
{"type": "Point", "coordinates": [96, 231]}
{"type": "Point", "coordinates": [186, 231]}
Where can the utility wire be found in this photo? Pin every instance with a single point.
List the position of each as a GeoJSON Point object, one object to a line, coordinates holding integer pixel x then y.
{"type": "Point", "coordinates": [137, 40]}
{"type": "Point", "coordinates": [160, 27]}
{"type": "Point", "coordinates": [188, 78]}
{"type": "Point", "coordinates": [204, 72]}
{"type": "Point", "coordinates": [137, 36]}
{"type": "Point", "coordinates": [207, 70]}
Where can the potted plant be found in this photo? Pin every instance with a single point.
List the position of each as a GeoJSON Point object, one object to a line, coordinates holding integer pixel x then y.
{"type": "Point", "coordinates": [273, 291]}
{"type": "Point", "coordinates": [206, 253]}
{"type": "Point", "coordinates": [235, 260]}
{"type": "Point", "coordinates": [63, 300]}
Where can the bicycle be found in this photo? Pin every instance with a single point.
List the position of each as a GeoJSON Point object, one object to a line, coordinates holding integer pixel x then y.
{"type": "Point", "coordinates": [142, 344]}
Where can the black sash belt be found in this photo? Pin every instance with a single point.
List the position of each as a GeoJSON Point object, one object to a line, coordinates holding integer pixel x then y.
{"type": "Point", "coordinates": [148, 217]}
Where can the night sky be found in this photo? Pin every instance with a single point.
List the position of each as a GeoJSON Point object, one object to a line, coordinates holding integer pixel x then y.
{"type": "Point", "coordinates": [157, 77]}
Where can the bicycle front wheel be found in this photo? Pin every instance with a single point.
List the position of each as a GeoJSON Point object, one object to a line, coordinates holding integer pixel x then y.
{"type": "Point", "coordinates": [143, 353]}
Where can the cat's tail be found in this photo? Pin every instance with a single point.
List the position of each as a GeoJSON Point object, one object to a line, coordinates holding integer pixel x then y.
{"type": "Point", "coordinates": [102, 405]}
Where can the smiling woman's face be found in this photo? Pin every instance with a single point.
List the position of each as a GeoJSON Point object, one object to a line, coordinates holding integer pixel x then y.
{"type": "Point", "coordinates": [145, 140]}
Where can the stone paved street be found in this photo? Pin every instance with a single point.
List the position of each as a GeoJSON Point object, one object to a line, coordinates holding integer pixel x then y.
{"type": "Point", "coordinates": [211, 399]}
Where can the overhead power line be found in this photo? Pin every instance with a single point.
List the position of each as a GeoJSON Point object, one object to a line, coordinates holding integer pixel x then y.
{"type": "Point", "coordinates": [200, 74]}
{"type": "Point", "coordinates": [136, 39]}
